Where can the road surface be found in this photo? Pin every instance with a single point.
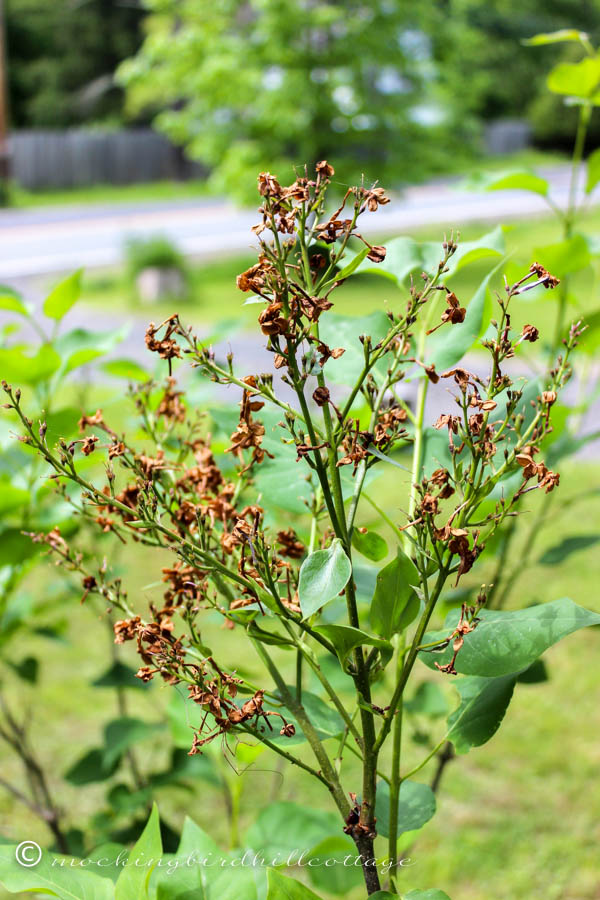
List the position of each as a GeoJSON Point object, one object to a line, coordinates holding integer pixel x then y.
{"type": "Point", "coordinates": [46, 241]}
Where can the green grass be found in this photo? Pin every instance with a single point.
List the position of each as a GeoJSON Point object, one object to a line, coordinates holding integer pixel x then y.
{"type": "Point", "coordinates": [214, 295]}
{"type": "Point", "coordinates": [181, 190]}
{"type": "Point", "coordinates": [97, 194]}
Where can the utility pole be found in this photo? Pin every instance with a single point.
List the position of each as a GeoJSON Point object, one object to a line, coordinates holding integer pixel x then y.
{"type": "Point", "coordinates": [4, 151]}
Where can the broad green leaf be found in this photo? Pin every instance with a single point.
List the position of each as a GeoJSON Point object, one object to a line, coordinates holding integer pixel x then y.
{"type": "Point", "coordinates": [490, 244]}
{"type": "Point", "coordinates": [234, 883]}
{"type": "Point", "coordinates": [593, 171]}
{"type": "Point", "coordinates": [383, 895]}
{"type": "Point", "coordinates": [336, 878]}
{"type": "Point", "coordinates": [325, 718]}
{"type": "Point", "coordinates": [285, 827]}
{"type": "Point", "coordinates": [109, 858]}
{"type": "Point", "coordinates": [282, 482]}
{"type": "Point", "coordinates": [90, 768]}
{"type": "Point", "coordinates": [405, 256]}
{"type": "Point", "coordinates": [416, 806]}
{"type": "Point", "coordinates": [283, 888]}
{"type": "Point", "coordinates": [428, 700]}
{"type": "Point", "coordinates": [370, 544]}
{"type": "Point", "coordinates": [573, 544]}
{"type": "Point", "coordinates": [504, 643]}
{"type": "Point", "coordinates": [61, 298]}
{"type": "Point", "coordinates": [535, 674]}
{"type": "Point", "coordinates": [81, 358]}
{"type": "Point", "coordinates": [345, 638]}
{"type": "Point", "coordinates": [565, 257]}
{"type": "Point", "coordinates": [429, 894]}
{"type": "Point", "coordinates": [16, 547]}
{"type": "Point", "coordinates": [322, 576]}
{"type": "Point", "coordinates": [344, 331]}
{"type": "Point", "coordinates": [395, 604]}
{"type": "Point", "coordinates": [580, 79]}
{"type": "Point", "coordinates": [188, 882]}
{"type": "Point", "coordinates": [12, 303]}
{"type": "Point", "coordinates": [450, 343]}
{"type": "Point", "coordinates": [120, 734]}
{"type": "Point", "coordinates": [20, 368]}
{"type": "Point", "coordinates": [352, 265]}
{"type": "Point", "coordinates": [484, 702]}
{"type": "Point", "coordinates": [27, 669]}
{"type": "Point", "coordinates": [118, 675]}
{"type": "Point", "coordinates": [519, 181]}
{"type": "Point", "coordinates": [126, 368]}
{"type": "Point", "coordinates": [555, 37]}
{"type": "Point", "coordinates": [11, 498]}
{"type": "Point", "coordinates": [132, 883]}
{"type": "Point", "coordinates": [80, 345]}
{"type": "Point", "coordinates": [52, 877]}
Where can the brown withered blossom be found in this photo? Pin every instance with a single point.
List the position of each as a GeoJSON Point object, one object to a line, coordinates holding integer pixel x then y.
{"type": "Point", "coordinates": [290, 545]}
{"type": "Point", "coordinates": [530, 333]}
{"type": "Point", "coordinates": [171, 405]}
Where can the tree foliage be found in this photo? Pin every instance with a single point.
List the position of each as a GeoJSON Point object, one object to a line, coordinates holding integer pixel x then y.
{"type": "Point", "coordinates": [62, 56]}
{"type": "Point", "coordinates": [247, 84]}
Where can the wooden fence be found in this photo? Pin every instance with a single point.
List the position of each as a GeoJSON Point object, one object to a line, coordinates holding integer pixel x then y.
{"type": "Point", "coordinates": [62, 159]}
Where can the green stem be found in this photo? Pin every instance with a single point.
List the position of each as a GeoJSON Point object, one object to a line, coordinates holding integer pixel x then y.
{"type": "Point", "coordinates": [329, 776]}
{"type": "Point", "coordinates": [395, 780]}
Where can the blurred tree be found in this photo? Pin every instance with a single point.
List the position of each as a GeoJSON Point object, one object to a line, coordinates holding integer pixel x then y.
{"type": "Point", "coordinates": [252, 84]}
{"type": "Point", "coordinates": [486, 70]}
{"type": "Point", "coordinates": [62, 56]}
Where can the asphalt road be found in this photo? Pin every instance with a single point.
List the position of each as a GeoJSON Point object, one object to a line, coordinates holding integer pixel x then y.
{"type": "Point", "coordinates": [52, 240]}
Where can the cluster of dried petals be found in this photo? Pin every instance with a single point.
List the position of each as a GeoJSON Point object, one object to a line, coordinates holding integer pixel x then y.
{"type": "Point", "coordinates": [166, 347]}
{"type": "Point", "coordinates": [531, 469]}
{"type": "Point", "coordinates": [389, 425]}
{"type": "Point", "coordinates": [465, 626]}
{"type": "Point", "coordinates": [355, 444]}
{"type": "Point", "coordinates": [249, 434]}
{"type": "Point", "coordinates": [126, 629]}
{"type": "Point", "coordinates": [215, 696]}
{"type": "Point", "coordinates": [441, 478]}
{"type": "Point", "coordinates": [454, 312]}
{"type": "Point", "coordinates": [550, 281]}
{"type": "Point", "coordinates": [271, 320]}
{"type": "Point", "coordinates": [186, 584]}
{"type": "Point", "coordinates": [257, 277]}
{"type": "Point", "coordinates": [171, 405]}
{"type": "Point", "coordinates": [530, 333]}
{"type": "Point", "coordinates": [96, 420]}
{"type": "Point", "coordinates": [374, 197]}
{"type": "Point", "coordinates": [290, 545]}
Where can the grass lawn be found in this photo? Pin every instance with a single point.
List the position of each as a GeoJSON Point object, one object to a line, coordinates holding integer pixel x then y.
{"type": "Point", "coordinates": [213, 294]}
{"type": "Point", "coordinates": [181, 190]}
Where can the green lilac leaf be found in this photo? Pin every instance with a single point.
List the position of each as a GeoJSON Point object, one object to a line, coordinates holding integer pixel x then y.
{"type": "Point", "coordinates": [132, 883]}
{"type": "Point", "coordinates": [370, 544]}
{"type": "Point", "coordinates": [484, 702]}
{"type": "Point", "coordinates": [283, 888]}
{"type": "Point", "coordinates": [395, 604]}
{"type": "Point", "coordinates": [505, 643]}
{"type": "Point", "coordinates": [61, 298]}
{"type": "Point", "coordinates": [416, 806]}
{"type": "Point", "coordinates": [323, 575]}
{"type": "Point", "coordinates": [345, 638]}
